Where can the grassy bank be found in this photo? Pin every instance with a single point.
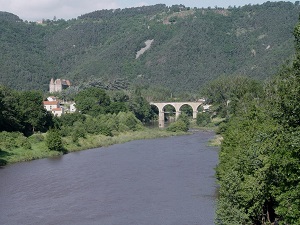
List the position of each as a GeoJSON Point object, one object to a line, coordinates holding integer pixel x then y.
{"type": "Point", "coordinates": [22, 149]}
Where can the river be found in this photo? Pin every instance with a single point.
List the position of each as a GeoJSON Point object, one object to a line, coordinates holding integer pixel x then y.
{"type": "Point", "coordinates": [167, 181]}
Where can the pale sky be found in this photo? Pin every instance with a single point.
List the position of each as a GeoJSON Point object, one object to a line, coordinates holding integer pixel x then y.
{"type": "Point", "coordinates": [33, 10]}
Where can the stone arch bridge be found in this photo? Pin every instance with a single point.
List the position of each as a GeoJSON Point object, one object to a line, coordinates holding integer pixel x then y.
{"type": "Point", "coordinates": [177, 106]}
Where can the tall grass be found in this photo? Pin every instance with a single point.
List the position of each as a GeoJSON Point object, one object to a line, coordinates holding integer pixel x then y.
{"type": "Point", "coordinates": [35, 147]}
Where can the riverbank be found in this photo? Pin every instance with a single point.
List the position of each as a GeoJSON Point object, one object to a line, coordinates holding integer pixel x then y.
{"type": "Point", "coordinates": [171, 178]}
{"type": "Point", "coordinates": [34, 147]}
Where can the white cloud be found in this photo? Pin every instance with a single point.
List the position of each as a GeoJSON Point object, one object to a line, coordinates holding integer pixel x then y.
{"type": "Point", "coordinates": [46, 9]}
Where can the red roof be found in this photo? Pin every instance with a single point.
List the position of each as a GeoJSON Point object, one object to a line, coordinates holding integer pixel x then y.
{"type": "Point", "coordinates": [50, 102]}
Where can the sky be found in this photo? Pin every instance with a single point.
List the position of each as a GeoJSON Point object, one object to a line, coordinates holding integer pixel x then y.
{"type": "Point", "coordinates": [34, 10]}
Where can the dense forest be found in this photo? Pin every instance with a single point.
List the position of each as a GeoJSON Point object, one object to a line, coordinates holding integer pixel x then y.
{"type": "Point", "coordinates": [258, 172]}
{"type": "Point", "coordinates": [190, 47]}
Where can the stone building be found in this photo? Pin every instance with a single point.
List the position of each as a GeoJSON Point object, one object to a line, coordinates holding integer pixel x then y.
{"type": "Point", "coordinates": [54, 107]}
{"type": "Point", "coordinates": [58, 85]}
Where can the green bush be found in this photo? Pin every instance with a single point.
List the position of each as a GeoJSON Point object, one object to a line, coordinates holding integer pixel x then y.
{"type": "Point", "coordinates": [127, 121]}
{"type": "Point", "coordinates": [177, 126]}
{"type": "Point", "coordinates": [54, 140]}
{"type": "Point", "coordinates": [24, 142]}
{"type": "Point", "coordinates": [221, 128]}
{"type": "Point", "coordinates": [11, 140]}
{"type": "Point", "coordinates": [70, 119]}
{"type": "Point", "coordinates": [203, 118]}
{"type": "Point", "coordinates": [98, 125]}
{"type": "Point", "coordinates": [105, 130]}
{"type": "Point", "coordinates": [36, 138]}
{"type": "Point", "coordinates": [66, 131]}
{"type": "Point", "coordinates": [184, 117]}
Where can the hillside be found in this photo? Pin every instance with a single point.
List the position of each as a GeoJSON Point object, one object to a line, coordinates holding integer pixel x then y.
{"type": "Point", "coordinates": [190, 47]}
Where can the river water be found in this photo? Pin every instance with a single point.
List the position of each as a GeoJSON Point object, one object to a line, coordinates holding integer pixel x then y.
{"type": "Point", "coordinates": [168, 181]}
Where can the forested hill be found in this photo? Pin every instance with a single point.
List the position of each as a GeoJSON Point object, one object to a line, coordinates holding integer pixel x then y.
{"type": "Point", "coordinates": [187, 46]}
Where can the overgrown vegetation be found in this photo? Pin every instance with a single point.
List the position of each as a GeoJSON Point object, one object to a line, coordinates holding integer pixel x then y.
{"type": "Point", "coordinates": [15, 147]}
{"type": "Point", "coordinates": [259, 165]}
{"type": "Point", "coordinates": [180, 125]}
{"type": "Point", "coordinates": [28, 131]}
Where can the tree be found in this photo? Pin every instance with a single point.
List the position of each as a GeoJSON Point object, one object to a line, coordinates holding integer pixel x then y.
{"type": "Point", "coordinates": [140, 107]}
{"type": "Point", "coordinates": [54, 140]}
{"type": "Point", "coordinates": [10, 118]}
{"type": "Point", "coordinates": [92, 101]}
{"type": "Point", "coordinates": [203, 118]}
{"type": "Point", "coordinates": [182, 124]}
{"type": "Point", "coordinates": [127, 121]}
{"type": "Point", "coordinates": [33, 114]}
{"type": "Point", "coordinates": [226, 91]}
{"type": "Point", "coordinates": [177, 126]}
{"type": "Point", "coordinates": [261, 149]}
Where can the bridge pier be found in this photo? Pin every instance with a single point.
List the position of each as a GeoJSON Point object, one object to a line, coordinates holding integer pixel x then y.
{"type": "Point", "coordinates": [161, 119]}
{"type": "Point", "coordinates": [177, 114]}
{"type": "Point", "coordinates": [195, 114]}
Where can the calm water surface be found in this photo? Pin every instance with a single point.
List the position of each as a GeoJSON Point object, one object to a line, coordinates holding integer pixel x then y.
{"type": "Point", "coordinates": [167, 181]}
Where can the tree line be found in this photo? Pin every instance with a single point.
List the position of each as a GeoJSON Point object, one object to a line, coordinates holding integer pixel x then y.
{"type": "Point", "coordinates": [258, 173]}
{"type": "Point", "coordinates": [28, 131]}
{"type": "Point", "coordinates": [251, 40]}
{"type": "Point", "coordinates": [23, 111]}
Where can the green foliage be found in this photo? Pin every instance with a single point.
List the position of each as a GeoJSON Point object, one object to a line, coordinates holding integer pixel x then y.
{"type": "Point", "coordinates": [187, 110]}
{"type": "Point", "coordinates": [178, 126]}
{"type": "Point", "coordinates": [182, 124]}
{"type": "Point", "coordinates": [70, 119]}
{"type": "Point", "coordinates": [258, 173]}
{"type": "Point", "coordinates": [140, 107]}
{"type": "Point", "coordinates": [116, 107]}
{"type": "Point", "coordinates": [99, 48]}
{"type": "Point", "coordinates": [92, 101]}
{"type": "Point", "coordinates": [23, 111]}
{"type": "Point", "coordinates": [203, 118]}
{"type": "Point", "coordinates": [185, 118]}
{"type": "Point", "coordinates": [11, 140]}
{"type": "Point", "coordinates": [98, 126]}
{"type": "Point", "coordinates": [54, 140]}
{"type": "Point", "coordinates": [226, 92]}
{"type": "Point", "coordinates": [105, 124]}
{"type": "Point", "coordinates": [36, 138]}
{"type": "Point", "coordinates": [32, 112]}
{"type": "Point", "coordinates": [119, 96]}
{"type": "Point", "coordinates": [128, 121]}
{"type": "Point", "coordinates": [284, 97]}
{"type": "Point", "coordinates": [244, 168]}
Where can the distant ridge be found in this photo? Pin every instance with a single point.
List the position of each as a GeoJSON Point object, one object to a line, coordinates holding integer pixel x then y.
{"type": "Point", "coordinates": [9, 16]}
{"type": "Point", "coordinates": [191, 46]}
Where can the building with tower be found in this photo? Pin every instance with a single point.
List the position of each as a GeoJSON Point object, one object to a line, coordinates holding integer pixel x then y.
{"type": "Point", "coordinates": [58, 85]}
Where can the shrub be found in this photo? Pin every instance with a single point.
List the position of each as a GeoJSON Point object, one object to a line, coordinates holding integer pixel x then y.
{"type": "Point", "coordinates": [66, 131]}
{"type": "Point", "coordinates": [127, 121]}
{"type": "Point", "coordinates": [11, 140]}
{"type": "Point", "coordinates": [203, 119]}
{"type": "Point", "coordinates": [179, 125]}
{"type": "Point", "coordinates": [25, 143]}
{"type": "Point", "coordinates": [184, 117]}
{"type": "Point", "coordinates": [54, 140]}
{"type": "Point", "coordinates": [36, 138]}
{"type": "Point", "coordinates": [70, 119]}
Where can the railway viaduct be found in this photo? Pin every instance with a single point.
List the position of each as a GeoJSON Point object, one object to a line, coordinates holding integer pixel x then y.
{"type": "Point", "coordinates": [177, 106]}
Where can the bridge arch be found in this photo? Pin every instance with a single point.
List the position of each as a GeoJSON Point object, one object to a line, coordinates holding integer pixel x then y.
{"type": "Point", "coordinates": [177, 106]}
{"type": "Point", "coordinates": [187, 109]}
